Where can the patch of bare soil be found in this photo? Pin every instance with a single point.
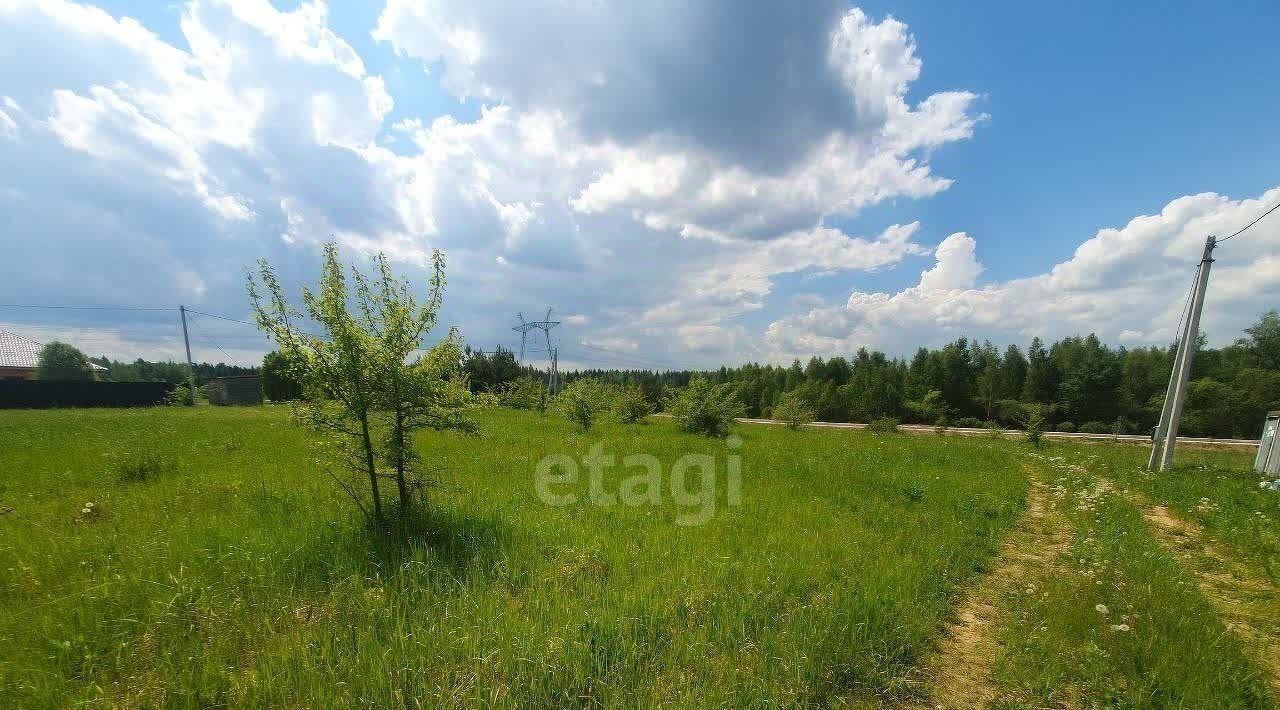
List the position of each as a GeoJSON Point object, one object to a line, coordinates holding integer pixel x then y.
{"type": "Point", "coordinates": [958, 675]}
{"type": "Point", "coordinates": [1247, 602]}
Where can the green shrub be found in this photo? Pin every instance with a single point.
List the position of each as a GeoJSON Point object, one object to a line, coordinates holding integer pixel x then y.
{"type": "Point", "coordinates": [1094, 428]}
{"type": "Point", "coordinates": [584, 400]}
{"type": "Point", "coordinates": [521, 393]}
{"type": "Point", "coordinates": [914, 493]}
{"type": "Point", "coordinates": [969, 423]}
{"type": "Point", "coordinates": [793, 410]}
{"type": "Point", "coordinates": [883, 425]}
{"type": "Point", "coordinates": [629, 404]}
{"type": "Point", "coordinates": [485, 400]}
{"type": "Point", "coordinates": [1032, 420]}
{"type": "Point", "coordinates": [141, 468]}
{"type": "Point", "coordinates": [179, 396]}
{"type": "Point", "coordinates": [929, 409]}
{"type": "Point", "coordinates": [704, 408]}
{"type": "Point", "coordinates": [1068, 427]}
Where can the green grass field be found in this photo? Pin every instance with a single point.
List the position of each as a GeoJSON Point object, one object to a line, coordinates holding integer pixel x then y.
{"type": "Point", "coordinates": [219, 566]}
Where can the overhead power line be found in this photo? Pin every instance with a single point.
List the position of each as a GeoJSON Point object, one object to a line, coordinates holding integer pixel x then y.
{"type": "Point", "coordinates": [87, 308]}
{"type": "Point", "coordinates": [226, 318]}
{"type": "Point", "coordinates": [1186, 305]}
{"type": "Point", "coordinates": [1259, 219]}
{"type": "Point", "coordinates": [646, 361]}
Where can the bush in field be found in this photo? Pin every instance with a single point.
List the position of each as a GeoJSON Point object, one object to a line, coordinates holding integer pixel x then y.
{"type": "Point", "coordinates": [142, 468]}
{"type": "Point", "coordinates": [485, 400]}
{"type": "Point", "coordinates": [1094, 428]}
{"type": "Point", "coordinates": [629, 404]}
{"type": "Point", "coordinates": [1032, 421]}
{"type": "Point", "coordinates": [521, 393]}
{"type": "Point", "coordinates": [1067, 427]}
{"type": "Point", "coordinates": [969, 423]}
{"type": "Point", "coordinates": [793, 410]}
{"type": "Point", "coordinates": [60, 361]}
{"type": "Point", "coordinates": [704, 408]}
{"type": "Point", "coordinates": [994, 430]}
{"type": "Point", "coordinates": [584, 401]}
{"type": "Point", "coordinates": [180, 395]}
{"type": "Point", "coordinates": [883, 425]}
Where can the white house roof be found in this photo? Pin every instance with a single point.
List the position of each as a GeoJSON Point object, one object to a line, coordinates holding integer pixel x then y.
{"type": "Point", "coordinates": [17, 351]}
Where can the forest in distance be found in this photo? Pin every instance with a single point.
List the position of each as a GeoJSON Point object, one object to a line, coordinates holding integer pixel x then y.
{"type": "Point", "coordinates": [1086, 385]}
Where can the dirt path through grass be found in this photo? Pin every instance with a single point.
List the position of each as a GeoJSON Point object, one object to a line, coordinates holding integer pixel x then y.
{"type": "Point", "coordinates": [1245, 601]}
{"type": "Point", "coordinates": [958, 675]}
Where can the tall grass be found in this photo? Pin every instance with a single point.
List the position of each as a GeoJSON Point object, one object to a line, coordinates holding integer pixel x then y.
{"type": "Point", "coordinates": [242, 577]}
{"type": "Point", "coordinates": [1116, 621]}
{"type": "Point", "coordinates": [1216, 489]}
{"type": "Point", "coordinates": [219, 566]}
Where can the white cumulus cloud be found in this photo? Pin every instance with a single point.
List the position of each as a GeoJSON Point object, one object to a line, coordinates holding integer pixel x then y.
{"type": "Point", "coordinates": [1127, 284]}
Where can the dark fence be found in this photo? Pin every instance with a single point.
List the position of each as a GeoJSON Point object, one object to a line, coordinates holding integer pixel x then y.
{"type": "Point", "coordinates": [244, 389]}
{"type": "Point", "coordinates": [41, 394]}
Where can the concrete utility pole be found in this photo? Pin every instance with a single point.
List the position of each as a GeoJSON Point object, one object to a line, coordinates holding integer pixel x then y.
{"type": "Point", "coordinates": [1157, 439]}
{"type": "Point", "coordinates": [1166, 436]}
{"type": "Point", "coordinates": [191, 369]}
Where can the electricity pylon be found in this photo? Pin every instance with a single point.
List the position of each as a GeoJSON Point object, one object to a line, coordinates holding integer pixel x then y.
{"type": "Point", "coordinates": [553, 374]}
{"type": "Point", "coordinates": [545, 325]}
{"type": "Point", "coordinates": [553, 361]}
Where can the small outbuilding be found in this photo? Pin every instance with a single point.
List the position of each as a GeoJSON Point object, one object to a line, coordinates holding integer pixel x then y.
{"type": "Point", "coordinates": [241, 390]}
{"type": "Point", "coordinates": [1268, 460]}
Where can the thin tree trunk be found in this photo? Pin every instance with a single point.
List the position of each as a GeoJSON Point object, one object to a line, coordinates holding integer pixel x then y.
{"type": "Point", "coordinates": [371, 466]}
{"type": "Point", "coordinates": [401, 483]}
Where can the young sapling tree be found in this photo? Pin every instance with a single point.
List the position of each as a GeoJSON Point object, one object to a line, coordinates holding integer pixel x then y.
{"type": "Point", "coordinates": [429, 392]}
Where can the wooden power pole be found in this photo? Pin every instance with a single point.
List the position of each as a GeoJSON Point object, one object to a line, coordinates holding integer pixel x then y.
{"type": "Point", "coordinates": [1166, 434]}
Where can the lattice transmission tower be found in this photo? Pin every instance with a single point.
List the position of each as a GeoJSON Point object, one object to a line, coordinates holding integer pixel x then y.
{"type": "Point", "coordinates": [545, 325]}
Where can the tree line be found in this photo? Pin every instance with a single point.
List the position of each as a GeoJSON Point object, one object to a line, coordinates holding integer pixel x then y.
{"type": "Point", "coordinates": [175, 373]}
{"type": "Point", "coordinates": [1080, 383]}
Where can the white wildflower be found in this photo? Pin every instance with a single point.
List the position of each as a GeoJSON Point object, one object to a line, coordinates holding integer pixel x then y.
{"type": "Point", "coordinates": [1102, 609]}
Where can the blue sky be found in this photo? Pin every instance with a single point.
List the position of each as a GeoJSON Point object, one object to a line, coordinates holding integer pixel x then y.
{"type": "Point", "coordinates": [935, 180]}
{"type": "Point", "coordinates": [1099, 111]}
